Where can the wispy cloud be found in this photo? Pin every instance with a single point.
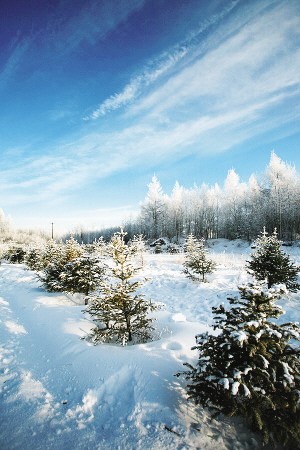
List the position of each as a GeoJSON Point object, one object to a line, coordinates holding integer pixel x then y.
{"type": "Point", "coordinates": [157, 68]}
{"type": "Point", "coordinates": [255, 61]}
{"type": "Point", "coordinates": [91, 22]}
{"type": "Point", "coordinates": [13, 62]}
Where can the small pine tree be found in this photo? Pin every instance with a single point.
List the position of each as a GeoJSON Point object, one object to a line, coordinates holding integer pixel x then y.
{"type": "Point", "coordinates": [55, 258]}
{"type": "Point", "coordinates": [15, 255]}
{"type": "Point", "coordinates": [51, 252]}
{"type": "Point", "coordinates": [82, 275]}
{"type": "Point", "coordinates": [72, 249]}
{"type": "Point", "coordinates": [196, 261]}
{"type": "Point", "coordinates": [99, 247]}
{"type": "Point", "coordinates": [120, 312]}
{"type": "Point", "coordinates": [270, 263]}
{"type": "Point", "coordinates": [250, 368]}
{"type": "Point", "coordinates": [33, 259]}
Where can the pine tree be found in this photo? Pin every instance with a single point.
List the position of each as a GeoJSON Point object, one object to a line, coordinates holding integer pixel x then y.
{"type": "Point", "coordinates": [15, 255]}
{"type": "Point", "coordinates": [52, 251]}
{"type": "Point", "coordinates": [72, 249]}
{"type": "Point", "coordinates": [55, 258]}
{"type": "Point", "coordinates": [99, 247]}
{"type": "Point", "coordinates": [120, 313]}
{"type": "Point", "coordinates": [270, 263]}
{"type": "Point", "coordinates": [33, 259]}
{"type": "Point", "coordinates": [196, 261]}
{"type": "Point", "coordinates": [82, 275]}
{"type": "Point", "coordinates": [251, 368]}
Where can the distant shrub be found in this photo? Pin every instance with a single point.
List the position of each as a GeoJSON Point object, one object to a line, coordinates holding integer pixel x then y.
{"type": "Point", "coordinates": [15, 255]}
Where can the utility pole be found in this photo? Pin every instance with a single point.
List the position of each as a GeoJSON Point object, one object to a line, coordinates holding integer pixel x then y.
{"type": "Point", "coordinates": [52, 230]}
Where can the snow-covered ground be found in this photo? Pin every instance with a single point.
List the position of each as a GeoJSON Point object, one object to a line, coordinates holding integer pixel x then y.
{"type": "Point", "coordinates": [59, 392]}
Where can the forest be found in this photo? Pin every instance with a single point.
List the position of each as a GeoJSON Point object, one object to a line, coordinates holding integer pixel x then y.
{"type": "Point", "coordinates": [235, 210]}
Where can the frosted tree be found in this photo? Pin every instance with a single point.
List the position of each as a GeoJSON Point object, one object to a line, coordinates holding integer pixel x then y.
{"type": "Point", "coordinates": [138, 247]}
{"type": "Point", "coordinates": [251, 368]}
{"type": "Point", "coordinates": [234, 193]}
{"type": "Point", "coordinates": [175, 210]}
{"type": "Point", "coordinates": [270, 263]}
{"type": "Point", "coordinates": [153, 209]}
{"type": "Point", "coordinates": [51, 252]}
{"type": "Point", "coordinates": [197, 264]}
{"type": "Point", "coordinates": [72, 249]}
{"type": "Point", "coordinates": [254, 209]}
{"type": "Point", "coordinates": [5, 226]}
{"type": "Point", "coordinates": [120, 312]}
{"type": "Point", "coordinates": [99, 246]}
{"type": "Point", "coordinates": [283, 197]}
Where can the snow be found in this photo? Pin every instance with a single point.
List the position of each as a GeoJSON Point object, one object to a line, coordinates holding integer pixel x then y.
{"type": "Point", "coordinates": [58, 391]}
{"type": "Point", "coordinates": [239, 336]}
{"type": "Point", "coordinates": [235, 387]}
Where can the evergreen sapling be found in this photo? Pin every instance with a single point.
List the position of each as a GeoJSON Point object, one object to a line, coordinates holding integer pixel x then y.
{"type": "Point", "coordinates": [55, 259]}
{"type": "Point", "coordinates": [120, 313]}
{"type": "Point", "coordinates": [82, 275]}
{"type": "Point", "coordinates": [251, 367]}
{"type": "Point", "coordinates": [270, 263]}
{"type": "Point", "coordinates": [197, 264]}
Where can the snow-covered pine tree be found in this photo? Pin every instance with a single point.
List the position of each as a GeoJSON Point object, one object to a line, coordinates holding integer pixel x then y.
{"type": "Point", "coordinates": [72, 249]}
{"type": "Point", "coordinates": [197, 264]}
{"type": "Point", "coordinates": [270, 263]}
{"type": "Point", "coordinates": [251, 368]}
{"type": "Point", "coordinates": [33, 258]}
{"type": "Point", "coordinates": [56, 257]}
{"type": "Point", "coordinates": [15, 255]}
{"type": "Point", "coordinates": [52, 251]}
{"type": "Point", "coordinates": [99, 246]}
{"type": "Point", "coordinates": [120, 313]}
{"type": "Point", "coordinates": [82, 275]}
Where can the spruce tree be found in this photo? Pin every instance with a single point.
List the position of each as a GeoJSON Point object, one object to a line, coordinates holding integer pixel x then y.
{"type": "Point", "coordinates": [120, 313]}
{"type": "Point", "coordinates": [82, 275]}
{"type": "Point", "coordinates": [33, 259]}
{"type": "Point", "coordinates": [72, 249]}
{"type": "Point", "coordinates": [99, 247]}
{"type": "Point", "coordinates": [52, 251]}
{"type": "Point", "coordinates": [270, 263]}
{"type": "Point", "coordinates": [15, 255]}
{"type": "Point", "coordinates": [197, 264]}
{"type": "Point", "coordinates": [251, 367]}
{"type": "Point", "coordinates": [55, 259]}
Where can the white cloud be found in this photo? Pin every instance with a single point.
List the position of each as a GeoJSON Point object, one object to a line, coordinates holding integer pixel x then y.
{"type": "Point", "coordinates": [258, 60]}
{"type": "Point", "coordinates": [157, 68]}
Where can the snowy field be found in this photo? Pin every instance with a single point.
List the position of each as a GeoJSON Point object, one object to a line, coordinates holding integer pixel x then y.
{"type": "Point", "coordinates": [59, 392]}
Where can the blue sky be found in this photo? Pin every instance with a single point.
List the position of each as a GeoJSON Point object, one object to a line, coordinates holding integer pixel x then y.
{"type": "Point", "coordinates": [96, 96]}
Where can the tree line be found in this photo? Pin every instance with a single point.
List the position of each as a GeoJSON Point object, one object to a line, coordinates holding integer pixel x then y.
{"type": "Point", "coordinates": [235, 210]}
